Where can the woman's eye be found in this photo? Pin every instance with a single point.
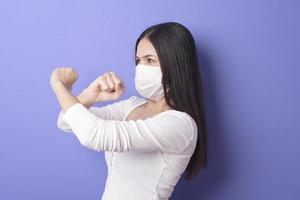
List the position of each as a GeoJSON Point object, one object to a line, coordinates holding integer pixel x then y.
{"type": "Point", "coordinates": [150, 60]}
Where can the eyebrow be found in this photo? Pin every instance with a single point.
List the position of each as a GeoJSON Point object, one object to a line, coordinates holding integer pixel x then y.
{"type": "Point", "coordinates": [145, 56]}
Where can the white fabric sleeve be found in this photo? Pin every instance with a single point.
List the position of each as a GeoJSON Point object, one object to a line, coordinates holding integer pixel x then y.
{"type": "Point", "coordinates": [169, 132]}
{"type": "Point", "coordinates": [113, 111]}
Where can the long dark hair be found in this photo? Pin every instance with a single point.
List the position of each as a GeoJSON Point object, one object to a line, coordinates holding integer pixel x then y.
{"type": "Point", "coordinates": [177, 54]}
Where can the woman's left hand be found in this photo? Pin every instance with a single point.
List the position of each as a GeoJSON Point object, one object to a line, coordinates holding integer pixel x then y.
{"type": "Point", "coordinates": [65, 75]}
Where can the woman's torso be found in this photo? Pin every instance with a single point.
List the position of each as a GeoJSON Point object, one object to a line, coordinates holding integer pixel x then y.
{"type": "Point", "coordinates": [144, 175]}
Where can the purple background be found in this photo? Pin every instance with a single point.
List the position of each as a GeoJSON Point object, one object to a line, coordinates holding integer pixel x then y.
{"type": "Point", "coordinates": [249, 54]}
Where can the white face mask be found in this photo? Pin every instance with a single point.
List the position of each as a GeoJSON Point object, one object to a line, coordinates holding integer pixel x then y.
{"type": "Point", "coordinates": [148, 82]}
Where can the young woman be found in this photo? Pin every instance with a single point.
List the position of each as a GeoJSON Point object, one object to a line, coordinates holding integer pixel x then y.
{"type": "Point", "coordinates": [149, 141]}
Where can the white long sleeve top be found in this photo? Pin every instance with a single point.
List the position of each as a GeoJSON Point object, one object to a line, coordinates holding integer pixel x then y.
{"type": "Point", "coordinates": [145, 158]}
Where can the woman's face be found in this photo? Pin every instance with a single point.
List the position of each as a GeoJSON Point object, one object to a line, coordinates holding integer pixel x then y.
{"type": "Point", "coordinates": [146, 53]}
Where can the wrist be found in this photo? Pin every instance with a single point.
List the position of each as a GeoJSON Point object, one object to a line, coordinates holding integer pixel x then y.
{"type": "Point", "coordinates": [84, 99]}
{"type": "Point", "coordinates": [57, 84]}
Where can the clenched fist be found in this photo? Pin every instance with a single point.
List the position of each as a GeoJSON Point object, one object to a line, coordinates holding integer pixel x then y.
{"type": "Point", "coordinates": [65, 75]}
{"type": "Point", "coordinates": [106, 87]}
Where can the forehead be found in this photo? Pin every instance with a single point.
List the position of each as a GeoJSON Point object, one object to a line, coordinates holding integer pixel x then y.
{"type": "Point", "coordinates": [145, 47]}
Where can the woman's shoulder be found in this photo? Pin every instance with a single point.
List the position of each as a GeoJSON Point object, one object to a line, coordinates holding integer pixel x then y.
{"type": "Point", "coordinates": [180, 119]}
{"type": "Point", "coordinates": [173, 115]}
{"type": "Point", "coordinates": [134, 100]}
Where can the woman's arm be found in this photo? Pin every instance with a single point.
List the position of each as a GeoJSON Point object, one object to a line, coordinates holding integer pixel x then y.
{"type": "Point", "coordinates": [64, 96]}
{"type": "Point", "coordinates": [113, 111]}
{"type": "Point", "coordinates": [164, 132]}
{"type": "Point", "coordinates": [168, 132]}
{"type": "Point", "coordinates": [106, 87]}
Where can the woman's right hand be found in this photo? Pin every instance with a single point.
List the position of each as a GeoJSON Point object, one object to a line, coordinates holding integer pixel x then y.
{"type": "Point", "coordinates": [105, 88]}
